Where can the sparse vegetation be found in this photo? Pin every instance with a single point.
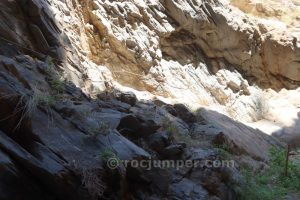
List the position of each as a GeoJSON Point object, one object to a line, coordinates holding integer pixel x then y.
{"type": "Point", "coordinates": [271, 183]}
{"type": "Point", "coordinates": [108, 154]}
{"type": "Point", "coordinates": [84, 112]}
{"type": "Point", "coordinates": [92, 181]}
{"type": "Point", "coordinates": [172, 130]}
{"type": "Point", "coordinates": [91, 177]}
{"type": "Point", "coordinates": [50, 63]}
{"type": "Point", "coordinates": [41, 99]}
{"type": "Point", "coordinates": [101, 127]}
{"type": "Point", "coordinates": [55, 81]}
{"type": "Point", "coordinates": [31, 102]}
{"type": "Point", "coordinates": [223, 151]}
{"type": "Point", "coordinates": [175, 133]}
{"type": "Point", "coordinates": [57, 85]}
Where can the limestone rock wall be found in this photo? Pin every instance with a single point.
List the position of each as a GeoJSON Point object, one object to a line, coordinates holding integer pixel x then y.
{"type": "Point", "coordinates": [202, 52]}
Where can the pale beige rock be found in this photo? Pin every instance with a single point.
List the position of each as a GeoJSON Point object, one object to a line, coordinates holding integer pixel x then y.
{"type": "Point", "coordinates": [283, 10]}
{"type": "Point", "coordinates": [201, 53]}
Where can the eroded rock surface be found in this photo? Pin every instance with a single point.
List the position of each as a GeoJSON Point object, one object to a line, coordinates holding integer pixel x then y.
{"type": "Point", "coordinates": [202, 52]}
{"type": "Point", "coordinates": [85, 81]}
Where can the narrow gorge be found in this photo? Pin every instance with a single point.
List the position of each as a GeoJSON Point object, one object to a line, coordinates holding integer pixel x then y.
{"type": "Point", "coordinates": [149, 100]}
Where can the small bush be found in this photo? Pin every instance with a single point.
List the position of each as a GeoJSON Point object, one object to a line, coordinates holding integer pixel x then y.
{"type": "Point", "coordinates": [223, 151]}
{"type": "Point", "coordinates": [31, 102]}
{"type": "Point", "coordinates": [55, 81]}
{"type": "Point", "coordinates": [101, 127]}
{"type": "Point", "coordinates": [92, 177]}
{"type": "Point", "coordinates": [44, 100]}
{"type": "Point", "coordinates": [37, 99]}
{"type": "Point", "coordinates": [51, 65]}
{"type": "Point", "coordinates": [108, 154]}
{"type": "Point", "coordinates": [172, 130]}
{"type": "Point", "coordinates": [92, 181]}
{"type": "Point", "coordinates": [177, 136]}
{"type": "Point", "coordinates": [259, 187]}
{"type": "Point", "coordinates": [57, 85]}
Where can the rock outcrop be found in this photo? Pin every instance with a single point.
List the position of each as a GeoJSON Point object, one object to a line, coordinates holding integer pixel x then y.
{"type": "Point", "coordinates": [208, 51]}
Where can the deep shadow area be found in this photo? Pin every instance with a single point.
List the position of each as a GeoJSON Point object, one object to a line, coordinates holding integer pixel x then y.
{"type": "Point", "coordinates": [28, 38]}
{"type": "Point", "coordinates": [67, 140]}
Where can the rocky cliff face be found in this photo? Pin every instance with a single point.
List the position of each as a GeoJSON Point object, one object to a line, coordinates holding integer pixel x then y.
{"type": "Point", "coordinates": [200, 53]}
{"type": "Point", "coordinates": [210, 52]}
{"type": "Point", "coordinates": [68, 70]}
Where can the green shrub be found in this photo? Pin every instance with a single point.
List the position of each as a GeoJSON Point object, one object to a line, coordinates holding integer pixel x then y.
{"type": "Point", "coordinates": [50, 66]}
{"type": "Point", "coordinates": [31, 102]}
{"type": "Point", "coordinates": [57, 85]}
{"type": "Point", "coordinates": [174, 132]}
{"type": "Point", "coordinates": [271, 183]}
{"type": "Point", "coordinates": [101, 127]}
{"type": "Point", "coordinates": [223, 151]}
{"type": "Point", "coordinates": [177, 136]}
{"type": "Point", "coordinates": [108, 154]}
{"type": "Point", "coordinates": [44, 99]}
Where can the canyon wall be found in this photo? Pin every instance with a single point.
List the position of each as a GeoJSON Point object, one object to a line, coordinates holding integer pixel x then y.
{"type": "Point", "coordinates": [202, 53]}
{"type": "Point", "coordinates": [81, 77]}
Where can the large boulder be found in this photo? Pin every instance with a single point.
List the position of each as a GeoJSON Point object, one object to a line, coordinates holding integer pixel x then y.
{"type": "Point", "coordinates": [185, 114]}
{"type": "Point", "coordinates": [127, 97]}
{"type": "Point", "coordinates": [135, 127]}
{"type": "Point", "coordinates": [159, 141]}
{"type": "Point", "coordinates": [237, 137]}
